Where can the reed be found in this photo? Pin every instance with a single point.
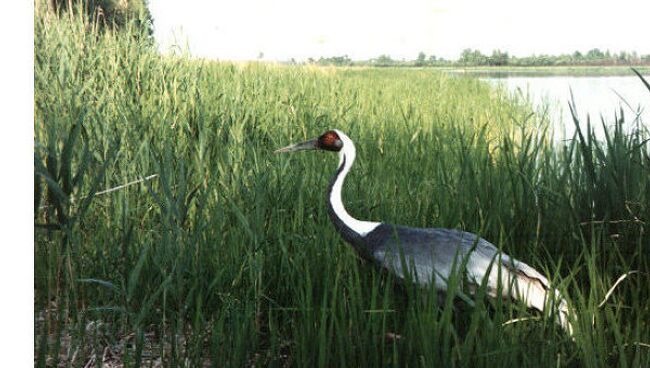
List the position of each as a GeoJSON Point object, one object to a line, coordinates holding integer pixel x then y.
{"type": "Point", "coordinates": [227, 257]}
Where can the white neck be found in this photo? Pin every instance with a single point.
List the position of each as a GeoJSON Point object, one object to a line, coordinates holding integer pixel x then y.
{"type": "Point", "coordinates": [346, 157]}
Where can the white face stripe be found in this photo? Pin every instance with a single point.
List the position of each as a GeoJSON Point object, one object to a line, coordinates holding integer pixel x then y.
{"type": "Point", "coordinates": [348, 154]}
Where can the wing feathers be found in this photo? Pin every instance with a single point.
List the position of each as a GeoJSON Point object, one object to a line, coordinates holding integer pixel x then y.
{"type": "Point", "coordinates": [533, 288]}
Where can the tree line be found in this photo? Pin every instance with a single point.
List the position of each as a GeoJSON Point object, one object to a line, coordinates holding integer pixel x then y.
{"type": "Point", "coordinates": [471, 57]}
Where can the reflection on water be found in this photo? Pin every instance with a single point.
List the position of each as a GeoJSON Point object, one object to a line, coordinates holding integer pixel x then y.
{"type": "Point", "coordinates": [594, 95]}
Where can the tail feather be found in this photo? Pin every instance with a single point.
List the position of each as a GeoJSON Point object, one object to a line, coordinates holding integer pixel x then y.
{"type": "Point", "coordinates": [517, 280]}
{"type": "Point", "coordinates": [522, 282]}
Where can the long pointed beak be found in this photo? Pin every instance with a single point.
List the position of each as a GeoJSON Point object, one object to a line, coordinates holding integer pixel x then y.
{"type": "Point", "coordinates": [311, 144]}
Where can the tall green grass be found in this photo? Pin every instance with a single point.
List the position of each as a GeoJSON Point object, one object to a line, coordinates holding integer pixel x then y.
{"type": "Point", "coordinates": [228, 257]}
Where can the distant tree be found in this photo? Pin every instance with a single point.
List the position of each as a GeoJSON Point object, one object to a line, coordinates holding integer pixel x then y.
{"type": "Point", "coordinates": [544, 60]}
{"type": "Point", "coordinates": [384, 60]}
{"type": "Point", "coordinates": [335, 60]}
{"type": "Point", "coordinates": [421, 59]}
{"type": "Point", "coordinates": [563, 59]}
{"type": "Point", "coordinates": [466, 56]}
{"type": "Point", "coordinates": [595, 54]}
{"type": "Point", "coordinates": [112, 13]}
{"type": "Point", "coordinates": [498, 58]}
{"type": "Point", "coordinates": [577, 55]}
{"type": "Point", "coordinates": [260, 55]}
{"type": "Point", "coordinates": [473, 57]}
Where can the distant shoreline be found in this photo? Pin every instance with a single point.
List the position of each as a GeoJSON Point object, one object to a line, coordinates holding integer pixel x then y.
{"type": "Point", "coordinates": [532, 71]}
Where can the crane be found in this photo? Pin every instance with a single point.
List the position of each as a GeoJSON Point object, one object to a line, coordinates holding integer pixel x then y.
{"type": "Point", "coordinates": [432, 254]}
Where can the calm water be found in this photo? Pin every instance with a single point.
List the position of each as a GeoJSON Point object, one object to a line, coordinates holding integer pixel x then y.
{"type": "Point", "coordinates": [595, 96]}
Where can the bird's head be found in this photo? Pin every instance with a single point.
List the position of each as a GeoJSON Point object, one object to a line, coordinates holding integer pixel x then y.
{"type": "Point", "coordinates": [332, 140]}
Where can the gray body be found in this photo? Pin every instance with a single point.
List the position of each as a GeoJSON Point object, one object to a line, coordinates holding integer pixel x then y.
{"type": "Point", "coordinates": [427, 254]}
{"type": "Point", "coordinates": [431, 254]}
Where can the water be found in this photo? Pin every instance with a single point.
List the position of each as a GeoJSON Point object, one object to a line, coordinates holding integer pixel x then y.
{"type": "Point", "coordinates": [595, 96]}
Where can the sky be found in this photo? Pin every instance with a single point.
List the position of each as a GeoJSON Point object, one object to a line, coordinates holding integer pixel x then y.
{"type": "Point", "coordinates": [363, 29]}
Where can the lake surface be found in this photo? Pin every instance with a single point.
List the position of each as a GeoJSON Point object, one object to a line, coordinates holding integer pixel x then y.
{"type": "Point", "coordinates": [595, 96]}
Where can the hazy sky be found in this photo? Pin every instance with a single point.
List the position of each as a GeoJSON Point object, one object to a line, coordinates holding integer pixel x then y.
{"type": "Point", "coordinates": [362, 29]}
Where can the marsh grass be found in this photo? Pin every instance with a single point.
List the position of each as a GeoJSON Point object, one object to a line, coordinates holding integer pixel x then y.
{"type": "Point", "coordinates": [227, 257]}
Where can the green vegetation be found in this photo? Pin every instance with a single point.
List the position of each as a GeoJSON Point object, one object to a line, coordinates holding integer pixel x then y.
{"type": "Point", "coordinates": [498, 58]}
{"type": "Point", "coordinates": [228, 257]}
{"type": "Point", "coordinates": [593, 57]}
{"type": "Point", "coordinates": [112, 13]}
